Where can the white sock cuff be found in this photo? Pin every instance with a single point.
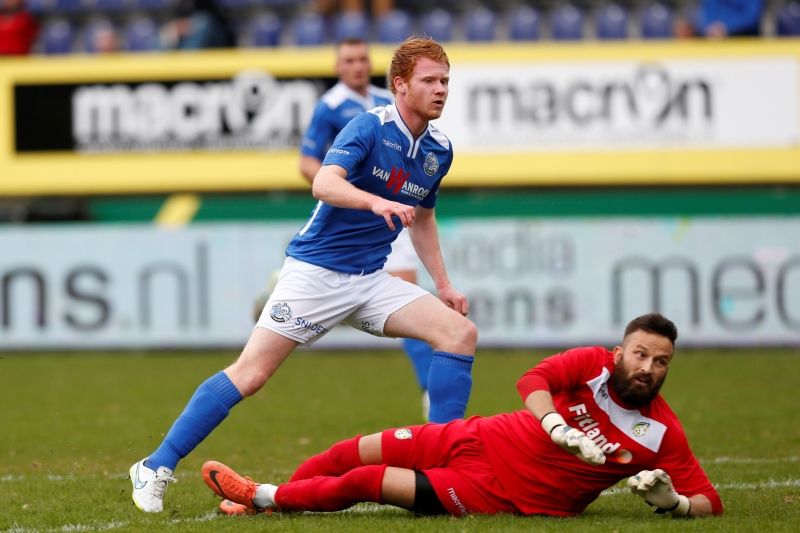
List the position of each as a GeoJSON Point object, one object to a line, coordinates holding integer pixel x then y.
{"type": "Point", "coordinates": [265, 496]}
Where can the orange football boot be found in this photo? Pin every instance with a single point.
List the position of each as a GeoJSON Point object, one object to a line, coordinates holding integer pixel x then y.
{"type": "Point", "coordinates": [229, 485]}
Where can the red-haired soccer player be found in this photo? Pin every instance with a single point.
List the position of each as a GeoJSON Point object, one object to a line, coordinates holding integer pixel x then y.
{"type": "Point", "coordinates": [382, 174]}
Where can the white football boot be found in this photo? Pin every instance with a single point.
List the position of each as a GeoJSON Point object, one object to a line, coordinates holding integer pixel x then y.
{"type": "Point", "coordinates": [149, 486]}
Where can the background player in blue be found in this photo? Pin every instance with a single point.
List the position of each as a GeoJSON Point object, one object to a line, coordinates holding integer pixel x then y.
{"type": "Point", "coordinates": [351, 96]}
{"type": "Point", "coordinates": [381, 174]}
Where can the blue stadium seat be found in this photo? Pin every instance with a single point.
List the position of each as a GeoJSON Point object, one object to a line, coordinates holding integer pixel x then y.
{"type": "Point", "coordinates": [523, 23]}
{"type": "Point", "coordinates": [788, 23]}
{"type": "Point", "coordinates": [479, 25]}
{"type": "Point", "coordinates": [109, 6]}
{"type": "Point", "coordinates": [611, 22]}
{"type": "Point", "coordinates": [153, 5]}
{"type": "Point", "coordinates": [68, 6]}
{"type": "Point", "coordinates": [656, 21]}
{"type": "Point", "coordinates": [39, 7]}
{"type": "Point", "coordinates": [265, 30]}
{"type": "Point", "coordinates": [437, 24]}
{"type": "Point", "coordinates": [274, 3]}
{"type": "Point", "coordinates": [395, 26]}
{"type": "Point", "coordinates": [309, 29]}
{"type": "Point", "coordinates": [233, 4]}
{"type": "Point", "coordinates": [57, 37]}
{"type": "Point", "coordinates": [566, 22]}
{"type": "Point", "coordinates": [351, 24]}
{"type": "Point", "coordinates": [141, 35]}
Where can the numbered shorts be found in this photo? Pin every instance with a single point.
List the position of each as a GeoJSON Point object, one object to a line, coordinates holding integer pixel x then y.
{"type": "Point", "coordinates": [308, 301]}
{"type": "Point", "coordinates": [453, 458]}
{"type": "Point", "coordinates": [403, 255]}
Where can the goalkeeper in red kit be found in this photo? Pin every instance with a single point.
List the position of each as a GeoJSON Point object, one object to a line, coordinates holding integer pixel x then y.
{"type": "Point", "coordinates": [593, 417]}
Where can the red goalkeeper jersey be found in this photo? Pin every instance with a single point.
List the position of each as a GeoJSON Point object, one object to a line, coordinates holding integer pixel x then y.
{"type": "Point", "coordinates": [537, 473]}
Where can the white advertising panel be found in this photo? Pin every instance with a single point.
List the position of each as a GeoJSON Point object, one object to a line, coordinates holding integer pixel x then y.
{"type": "Point", "coordinates": [531, 282]}
{"type": "Point", "coordinates": [623, 104]}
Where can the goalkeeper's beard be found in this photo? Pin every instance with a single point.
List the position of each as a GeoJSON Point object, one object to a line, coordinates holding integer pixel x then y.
{"type": "Point", "coordinates": [633, 393]}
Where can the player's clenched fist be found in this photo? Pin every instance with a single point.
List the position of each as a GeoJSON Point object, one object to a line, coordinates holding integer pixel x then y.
{"type": "Point", "coordinates": [655, 486]}
{"type": "Point", "coordinates": [388, 209]}
{"type": "Point", "coordinates": [573, 440]}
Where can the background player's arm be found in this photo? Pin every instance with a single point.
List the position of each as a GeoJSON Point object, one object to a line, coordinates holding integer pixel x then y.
{"type": "Point", "coordinates": [425, 238]}
{"type": "Point", "coordinates": [330, 185]}
{"type": "Point", "coordinates": [309, 166]}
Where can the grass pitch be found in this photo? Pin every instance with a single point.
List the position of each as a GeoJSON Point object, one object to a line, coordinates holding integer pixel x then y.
{"type": "Point", "coordinates": [72, 424]}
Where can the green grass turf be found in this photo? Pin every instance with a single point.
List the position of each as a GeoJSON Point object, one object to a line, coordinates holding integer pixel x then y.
{"type": "Point", "coordinates": [72, 424]}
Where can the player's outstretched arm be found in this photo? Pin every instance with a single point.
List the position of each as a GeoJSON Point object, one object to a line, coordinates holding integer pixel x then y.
{"type": "Point", "coordinates": [575, 441]}
{"type": "Point", "coordinates": [655, 487]}
{"type": "Point", "coordinates": [425, 238]}
{"type": "Point", "coordinates": [331, 186]}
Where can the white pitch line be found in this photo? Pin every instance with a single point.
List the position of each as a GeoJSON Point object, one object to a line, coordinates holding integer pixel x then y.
{"type": "Point", "coordinates": [751, 460]}
{"type": "Point", "coordinates": [192, 475]}
{"type": "Point", "coordinates": [69, 528]}
{"type": "Point", "coordinates": [108, 526]}
{"type": "Point", "coordinates": [769, 484]}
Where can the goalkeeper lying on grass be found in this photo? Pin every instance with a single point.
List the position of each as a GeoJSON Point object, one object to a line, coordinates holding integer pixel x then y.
{"type": "Point", "coordinates": [593, 418]}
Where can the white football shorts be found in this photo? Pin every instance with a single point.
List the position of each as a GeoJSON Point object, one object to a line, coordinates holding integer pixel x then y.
{"type": "Point", "coordinates": [308, 301]}
{"type": "Point", "coordinates": [403, 255]}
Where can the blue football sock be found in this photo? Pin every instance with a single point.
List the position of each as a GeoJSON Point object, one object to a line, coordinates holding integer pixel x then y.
{"type": "Point", "coordinates": [208, 407]}
{"type": "Point", "coordinates": [449, 385]}
{"type": "Point", "coordinates": [421, 354]}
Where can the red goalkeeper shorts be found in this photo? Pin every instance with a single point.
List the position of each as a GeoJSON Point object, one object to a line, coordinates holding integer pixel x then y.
{"type": "Point", "coordinates": [454, 460]}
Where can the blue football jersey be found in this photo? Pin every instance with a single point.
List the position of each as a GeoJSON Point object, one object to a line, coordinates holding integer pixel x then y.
{"type": "Point", "coordinates": [381, 157]}
{"type": "Point", "coordinates": [335, 109]}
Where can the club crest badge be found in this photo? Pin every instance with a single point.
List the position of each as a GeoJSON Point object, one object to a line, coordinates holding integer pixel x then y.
{"type": "Point", "coordinates": [640, 428]}
{"type": "Point", "coordinates": [402, 434]}
{"type": "Point", "coordinates": [431, 164]}
{"type": "Point", "coordinates": [280, 312]}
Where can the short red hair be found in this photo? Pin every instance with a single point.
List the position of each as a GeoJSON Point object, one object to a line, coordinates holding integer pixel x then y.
{"type": "Point", "coordinates": [407, 54]}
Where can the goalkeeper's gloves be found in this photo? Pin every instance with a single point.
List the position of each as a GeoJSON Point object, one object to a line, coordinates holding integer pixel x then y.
{"type": "Point", "coordinates": [655, 486]}
{"type": "Point", "coordinates": [573, 440]}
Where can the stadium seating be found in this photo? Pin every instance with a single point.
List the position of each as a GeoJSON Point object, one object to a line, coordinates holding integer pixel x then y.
{"type": "Point", "coordinates": [264, 30]}
{"type": "Point", "coordinates": [611, 22]}
{"type": "Point", "coordinates": [153, 5]}
{"type": "Point", "coordinates": [309, 30]}
{"type": "Point", "coordinates": [57, 37]}
{"type": "Point", "coordinates": [438, 24]}
{"type": "Point", "coordinates": [233, 4]}
{"type": "Point", "coordinates": [271, 23]}
{"type": "Point", "coordinates": [566, 23]}
{"type": "Point", "coordinates": [39, 7]}
{"type": "Point", "coordinates": [656, 21]}
{"type": "Point", "coordinates": [68, 6]}
{"type": "Point", "coordinates": [351, 24]}
{"type": "Point", "coordinates": [523, 23]}
{"type": "Point", "coordinates": [480, 24]}
{"type": "Point", "coordinates": [141, 35]}
{"type": "Point", "coordinates": [788, 21]}
{"type": "Point", "coordinates": [395, 26]}
{"type": "Point", "coordinates": [109, 6]}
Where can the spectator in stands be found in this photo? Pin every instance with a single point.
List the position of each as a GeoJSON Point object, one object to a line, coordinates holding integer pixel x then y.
{"type": "Point", "coordinates": [376, 8]}
{"type": "Point", "coordinates": [717, 19]}
{"type": "Point", "coordinates": [18, 28]}
{"type": "Point", "coordinates": [197, 24]}
{"type": "Point", "coordinates": [102, 38]}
